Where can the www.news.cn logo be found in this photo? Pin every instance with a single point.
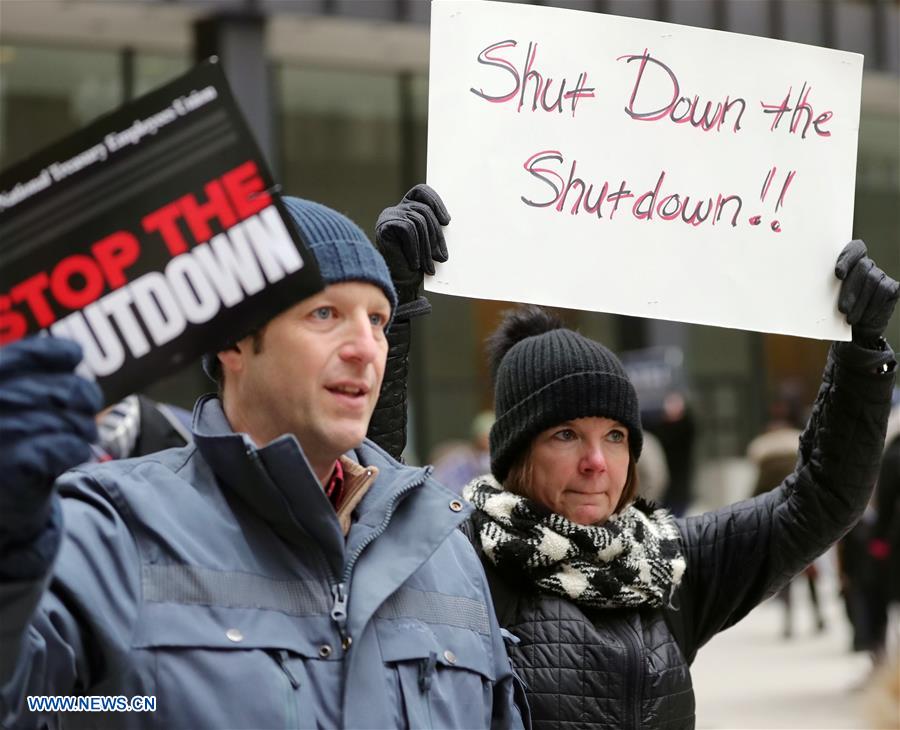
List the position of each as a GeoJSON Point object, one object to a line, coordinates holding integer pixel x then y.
{"type": "Point", "coordinates": [91, 703]}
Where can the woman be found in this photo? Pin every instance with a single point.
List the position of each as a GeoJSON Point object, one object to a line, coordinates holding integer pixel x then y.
{"type": "Point", "coordinates": [610, 598]}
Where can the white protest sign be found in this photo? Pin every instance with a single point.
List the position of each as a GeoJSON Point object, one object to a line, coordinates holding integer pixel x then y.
{"type": "Point", "coordinates": [637, 167]}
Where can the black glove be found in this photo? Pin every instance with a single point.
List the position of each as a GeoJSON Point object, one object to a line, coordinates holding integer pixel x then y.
{"type": "Point", "coordinates": [410, 237]}
{"type": "Point", "coordinates": [868, 295]}
{"type": "Point", "coordinates": [46, 426]}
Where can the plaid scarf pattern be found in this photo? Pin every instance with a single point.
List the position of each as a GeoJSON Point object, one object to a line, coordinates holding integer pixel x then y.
{"type": "Point", "coordinates": [634, 559]}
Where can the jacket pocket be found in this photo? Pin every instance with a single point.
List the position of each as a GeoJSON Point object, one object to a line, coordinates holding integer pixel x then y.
{"type": "Point", "coordinates": [219, 667]}
{"type": "Point", "coordinates": [444, 675]}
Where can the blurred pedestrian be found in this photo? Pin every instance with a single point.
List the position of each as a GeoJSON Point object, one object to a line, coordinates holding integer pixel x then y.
{"type": "Point", "coordinates": [883, 695]}
{"type": "Point", "coordinates": [653, 470]}
{"type": "Point", "coordinates": [885, 543]}
{"type": "Point", "coordinates": [774, 454]}
{"type": "Point", "coordinates": [867, 561]}
{"type": "Point", "coordinates": [676, 429]}
{"type": "Point", "coordinates": [461, 463]}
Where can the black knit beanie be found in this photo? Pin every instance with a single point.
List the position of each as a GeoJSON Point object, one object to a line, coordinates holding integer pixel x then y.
{"type": "Point", "coordinates": [546, 374]}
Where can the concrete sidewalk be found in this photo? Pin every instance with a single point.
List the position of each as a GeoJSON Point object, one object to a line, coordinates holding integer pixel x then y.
{"type": "Point", "coordinates": [750, 678]}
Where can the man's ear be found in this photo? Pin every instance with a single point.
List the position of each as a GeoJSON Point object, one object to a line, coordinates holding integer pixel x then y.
{"type": "Point", "coordinates": [232, 358]}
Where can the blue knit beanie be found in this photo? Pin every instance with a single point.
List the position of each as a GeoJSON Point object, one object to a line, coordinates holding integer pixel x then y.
{"type": "Point", "coordinates": [342, 250]}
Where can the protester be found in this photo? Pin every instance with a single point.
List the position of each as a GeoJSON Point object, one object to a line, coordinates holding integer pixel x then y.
{"type": "Point", "coordinates": [611, 600]}
{"type": "Point", "coordinates": [774, 454]}
{"type": "Point", "coordinates": [280, 572]}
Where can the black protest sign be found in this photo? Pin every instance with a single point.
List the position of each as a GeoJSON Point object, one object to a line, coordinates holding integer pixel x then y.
{"type": "Point", "coordinates": [150, 237]}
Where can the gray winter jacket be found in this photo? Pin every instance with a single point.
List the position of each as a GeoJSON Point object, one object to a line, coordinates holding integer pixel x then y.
{"type": "Point", "coordinates": [216, 578]}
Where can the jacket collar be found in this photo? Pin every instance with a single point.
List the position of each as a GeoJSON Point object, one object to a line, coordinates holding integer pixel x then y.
{"type": "Point", "coordinates": [277, 483]}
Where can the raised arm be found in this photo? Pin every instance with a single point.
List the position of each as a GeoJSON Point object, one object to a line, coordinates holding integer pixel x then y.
{"type": "Point", "coordinates": [410, 237]}
{"type": "Point", "coordinates": [739, 555]}
{"type": "Point", "coordinates": [46, 426]}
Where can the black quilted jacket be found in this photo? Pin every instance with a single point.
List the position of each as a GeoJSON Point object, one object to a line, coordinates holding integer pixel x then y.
{"type": "Point", "coordinates": [592, 668]}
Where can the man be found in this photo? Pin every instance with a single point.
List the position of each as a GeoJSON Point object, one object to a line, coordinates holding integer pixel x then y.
{"type": "Point", "coordinates": [282, 571]}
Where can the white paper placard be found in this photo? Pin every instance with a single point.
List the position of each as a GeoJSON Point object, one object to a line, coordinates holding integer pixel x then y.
{"type": "Point", "coordinates": [717, 170]}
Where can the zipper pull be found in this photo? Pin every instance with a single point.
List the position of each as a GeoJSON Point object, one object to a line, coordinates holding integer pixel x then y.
{"type": "Point", "coordinates": [339, 612]}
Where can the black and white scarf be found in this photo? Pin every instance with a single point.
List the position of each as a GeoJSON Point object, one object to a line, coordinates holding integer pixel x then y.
{"type": "Point", "coordinates": [634, 559]}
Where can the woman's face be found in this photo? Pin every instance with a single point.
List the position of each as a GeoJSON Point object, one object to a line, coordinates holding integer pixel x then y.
{"type": "Point", "coordinates": [579, 468]}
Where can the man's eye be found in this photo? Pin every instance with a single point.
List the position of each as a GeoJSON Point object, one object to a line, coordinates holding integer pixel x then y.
{"type": "Point", "coordinates": [378, 320]}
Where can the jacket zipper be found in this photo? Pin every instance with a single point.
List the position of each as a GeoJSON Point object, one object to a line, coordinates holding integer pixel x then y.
{"type": "Point", "coordinates": [338, 589]}
{"type": "Point", "coordinates": [339, 585]}
{"type": "Point", "coordinates": [339, 612]}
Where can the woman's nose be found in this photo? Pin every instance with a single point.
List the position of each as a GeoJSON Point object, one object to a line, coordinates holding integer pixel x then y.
{"type": "Point", "coordinates": [593, 460]}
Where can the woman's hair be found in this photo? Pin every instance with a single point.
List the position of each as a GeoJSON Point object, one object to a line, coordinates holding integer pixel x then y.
{"type": "Point", "coordinates": [520, 480]}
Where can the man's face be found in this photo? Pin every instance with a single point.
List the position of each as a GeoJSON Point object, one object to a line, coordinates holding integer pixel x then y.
{"type": "Point", "coordinates": [315, 372]}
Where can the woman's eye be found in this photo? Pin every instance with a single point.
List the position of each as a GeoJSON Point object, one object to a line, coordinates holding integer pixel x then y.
{"type": "Point", "coordinates": [322, 313]}
{"type": "Point", "coordinates": [617, 436]}
{"type": "Point", "coordinates": [378, 320]}
{"type": "Point", "coordinates": [566, 434]}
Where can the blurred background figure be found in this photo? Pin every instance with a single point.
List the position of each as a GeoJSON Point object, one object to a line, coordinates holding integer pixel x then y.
{"type": "Point", "coordinates": [675, 427]}
{"type": "Point", "coordinates": [869, 562]}
{"type": "Point", "coordinates": [861, 588]}
{"type": "Point", "coordinates": [774, 454]}
{"type": "Point", "coordinates": [138, 425]}
{"type": "Point", "coordinates": [883, 695]}
{"type": "Point", "coordinates": [456, 463]}
{"type": "Point", "coordinates": [666, 470]}
{"type": "Point", "coordinates": [885, 544]}
{"type": "Point", "coordinates": [653, 470]}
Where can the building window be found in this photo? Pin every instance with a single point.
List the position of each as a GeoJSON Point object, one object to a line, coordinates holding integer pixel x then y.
{"type": "Point", "coordinates": [152, 71]}
{"type": "Point", "coordinates": [340, 140]}
{"type": "Point", "coordinates": [48, 93]}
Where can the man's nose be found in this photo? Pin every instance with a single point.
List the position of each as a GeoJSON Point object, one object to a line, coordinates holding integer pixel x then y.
{"type": "Point", "coordinates": [361, 343]}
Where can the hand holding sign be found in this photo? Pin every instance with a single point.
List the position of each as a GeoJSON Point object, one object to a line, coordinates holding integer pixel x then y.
{"type": "Point", "coordinates": [410, 237]}
{"type": "Point", "coordinates": [868, 295]}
